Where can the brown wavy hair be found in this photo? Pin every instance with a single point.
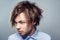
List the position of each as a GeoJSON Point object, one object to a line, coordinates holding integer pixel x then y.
{"type": "Point", "coordinates": [33, 12]}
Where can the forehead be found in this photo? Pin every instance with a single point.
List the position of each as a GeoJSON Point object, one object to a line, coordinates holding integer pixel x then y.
{"type": "Point", "coordinates": [21, 17]}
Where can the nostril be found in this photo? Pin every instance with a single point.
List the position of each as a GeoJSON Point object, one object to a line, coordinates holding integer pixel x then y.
{"type": "Point", "coordinates": [18, 28]}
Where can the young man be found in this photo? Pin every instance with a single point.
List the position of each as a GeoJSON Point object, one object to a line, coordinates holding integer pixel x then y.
{"type": "Point", "coordinates": [25, 17]}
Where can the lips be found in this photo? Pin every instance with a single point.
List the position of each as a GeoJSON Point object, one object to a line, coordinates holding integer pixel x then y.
{"type": "Point", "coordinates": [20, 32]}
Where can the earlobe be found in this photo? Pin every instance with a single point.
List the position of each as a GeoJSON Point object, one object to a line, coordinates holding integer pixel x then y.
{"type": "Point", "coordinates": [34, 23]}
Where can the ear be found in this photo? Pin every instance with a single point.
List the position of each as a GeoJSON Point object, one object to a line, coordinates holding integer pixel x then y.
{"type": "Point", "coordinates": [34, 23]}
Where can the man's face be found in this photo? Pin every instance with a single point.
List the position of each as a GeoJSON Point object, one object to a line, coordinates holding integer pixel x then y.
{"type": "Point", "coordinates": [22, 25]}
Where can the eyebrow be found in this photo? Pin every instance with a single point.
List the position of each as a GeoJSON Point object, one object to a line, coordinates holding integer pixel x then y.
{"type": "Point", "coordinates": [21, 21]}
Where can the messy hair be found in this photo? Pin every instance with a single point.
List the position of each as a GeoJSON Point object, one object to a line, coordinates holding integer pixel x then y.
{"type": "Point", "coordinates": [33, 12]}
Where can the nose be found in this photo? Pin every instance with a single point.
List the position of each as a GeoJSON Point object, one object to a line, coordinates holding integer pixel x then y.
{"type": "Point", "coordinates": [18, 27]}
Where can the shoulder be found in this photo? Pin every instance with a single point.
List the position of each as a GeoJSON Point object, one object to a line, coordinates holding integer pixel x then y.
{"type": "Point", "coordinates": [15, 36]}
{"type": "Point", "coordinates": [43, 36]}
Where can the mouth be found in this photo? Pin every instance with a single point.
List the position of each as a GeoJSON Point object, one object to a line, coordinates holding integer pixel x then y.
{"type": "Point", "coordinates": [20, 32]}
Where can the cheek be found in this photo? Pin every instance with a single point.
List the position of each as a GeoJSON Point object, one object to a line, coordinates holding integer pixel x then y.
{"type": "Point", "coordinates": [24, 27]}
{"type": "Point", "coordinates": [28, 28]}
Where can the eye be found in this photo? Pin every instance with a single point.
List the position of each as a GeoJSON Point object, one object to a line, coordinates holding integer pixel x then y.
{"type": "Point", "coordinates": [22, 22]}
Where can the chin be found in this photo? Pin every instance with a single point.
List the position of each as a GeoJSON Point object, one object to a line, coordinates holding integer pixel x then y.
{"type": "Point", "coordinates": [22, 34]}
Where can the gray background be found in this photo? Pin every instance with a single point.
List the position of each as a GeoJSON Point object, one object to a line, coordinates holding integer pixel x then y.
{"type": "Point", "coordinates": [50, 22]}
